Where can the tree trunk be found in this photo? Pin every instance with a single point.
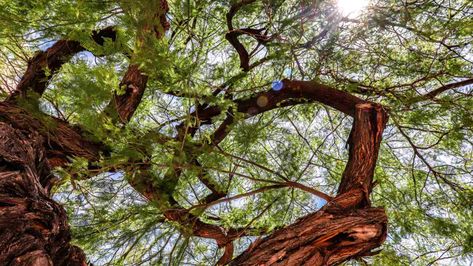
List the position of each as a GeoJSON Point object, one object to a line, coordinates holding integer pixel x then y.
{"type": "Point", "coordinates": [33, 228]}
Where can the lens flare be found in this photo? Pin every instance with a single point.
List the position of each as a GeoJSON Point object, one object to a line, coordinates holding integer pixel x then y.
{"type": "Point", "coordinates": [351, 8]}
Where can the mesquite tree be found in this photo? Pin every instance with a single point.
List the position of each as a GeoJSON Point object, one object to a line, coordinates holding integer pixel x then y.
{"type": "Point", "coordinates": [235, 132]}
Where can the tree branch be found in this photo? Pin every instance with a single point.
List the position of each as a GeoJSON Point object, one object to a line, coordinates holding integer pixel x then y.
{"type": "Point", "coordinates": [125, 104]}
{"type": "Point", "coordinates": [434, 93]}
{"type": "Point", "coordinates": [44, 64]}
{"type": "Point", "coordinates": [346, 227]}
{"type": "Point", "coordinates": [327, 237]}
{"type": "Point", "coordinates": [64, 141]}
{"type": "Point", "coordinates": [33, 228]}
{"type": "Point", "coordinates": [232, 35]}
{"type": "Point", "coordinates": [293, 92]}
{"type": "Point", "coordinates": [365, 139]}
{"type": "Point", "coordinates": [134, 79]}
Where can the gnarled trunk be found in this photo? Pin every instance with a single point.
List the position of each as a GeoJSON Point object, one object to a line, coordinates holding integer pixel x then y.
{"type": "Point", "coordinates": [33, 228]}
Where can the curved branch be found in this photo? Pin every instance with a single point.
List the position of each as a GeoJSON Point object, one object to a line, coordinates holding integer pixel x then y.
{"type": "Point", "coordinates": [232, 35]}
{"type": "Point", "coordinates": [232, 38]}
{"type": "Point", "coordinates": [293, 92]}
{"type": "Point", "coordinates": [234, 9]}
{"type": "Point", "coordinates": [365, 139]}
{"type": "Point", "coordinates": [44, 64]}
{"type": "Point", "coordinates": [134, 79]}
{"type": "Point", "coordinates": [347, 227]}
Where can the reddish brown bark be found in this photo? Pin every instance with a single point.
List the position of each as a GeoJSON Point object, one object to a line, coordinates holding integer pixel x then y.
{"type": "Point", "coordinates": [45, 64]}
{"type": "Point", "coordinates": [326, 237]}
{"type": "Point", "coordinates": [293, 92]}
{"type": "Point", "coordinates": [365, 139]}
{"type": "Point", "coordinates": [347, 227]}
{"type": "Point", "coordinates": [63, 140]}
{"type": "Point", "coordinates": [134, 83]}
{"type": "Point", "coordinates": [30, 144]}
{"type": "Point", "coordinates": [432, 94]}
{"type": "Point", "coordinates": [33, 228]}
{"type": "Point", "coordinates": [351, 227]}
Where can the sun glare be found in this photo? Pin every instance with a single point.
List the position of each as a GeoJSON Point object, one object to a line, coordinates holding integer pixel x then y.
{"type": "Point", "coordinates": [351, 8]}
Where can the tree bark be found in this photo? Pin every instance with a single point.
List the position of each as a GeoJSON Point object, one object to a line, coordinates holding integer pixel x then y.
{"type": "Point", "coordinates": [347, 227]}
{"type": "Point", "coordinates": [327, 237]}
{"type": "Point", "coordinates": [33, 228]}
{"type": "Point", "coordinates": [63, 141]}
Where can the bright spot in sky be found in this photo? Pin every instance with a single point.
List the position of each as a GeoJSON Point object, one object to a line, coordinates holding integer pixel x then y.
{"type": "Point", "coordinates": [351, 8]}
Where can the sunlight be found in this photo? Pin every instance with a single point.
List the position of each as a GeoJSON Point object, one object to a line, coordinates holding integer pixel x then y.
{"type": "Point", "coordinates": [351, 8]}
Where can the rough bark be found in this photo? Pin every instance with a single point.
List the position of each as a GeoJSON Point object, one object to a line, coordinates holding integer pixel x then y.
{"type": "Point", "coordinates": [365, 139]}
{"type": "Point", "coordinates": [347, 227]}
{"type": "Point", "coordinates": [33, 228]}
{"type": "Point", "coordinates": [326, 237]}
{"type": "Point", "coordinates": [63, 140]}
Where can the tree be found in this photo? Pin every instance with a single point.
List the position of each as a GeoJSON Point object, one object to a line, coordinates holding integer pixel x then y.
{"type": "Point", "coordinates": [236, 132]}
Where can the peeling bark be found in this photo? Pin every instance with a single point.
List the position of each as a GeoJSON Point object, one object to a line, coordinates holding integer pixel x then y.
{"type": "Point", "coordinates": [63, 140]}
{"type": "Point", "coordinates": [347, 227]}
{"type": "Point", "coordinates": [33, 228]}
{"type": "Point", "coordinates": [365, 139]}
{"type": "Point", "coordinates": [327, 237]}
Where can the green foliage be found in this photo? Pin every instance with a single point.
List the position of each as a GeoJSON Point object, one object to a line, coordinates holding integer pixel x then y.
{"type": "Point", "coordinates": [394, 53]}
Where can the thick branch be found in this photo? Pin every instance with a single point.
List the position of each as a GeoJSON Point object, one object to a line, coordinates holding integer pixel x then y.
{"type": "Point", "coordinates": [45, 64]}
{"type": "Point", "coordinates": [293, 92]}
{"type": "Point", "coordinates": [64, 141]}
{"type": "Point", "coordinates": [330, 236]}
{"type": "Point", "coordinates": [346, 227]}
{"type": "Point", "coordinates": [134, 83]}
{"type": "Point", "coordinates": [365, 139]}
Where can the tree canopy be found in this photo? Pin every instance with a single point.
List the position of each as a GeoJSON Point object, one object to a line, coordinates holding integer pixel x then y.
{"type": "Point", "coordinates": [190, 132]}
